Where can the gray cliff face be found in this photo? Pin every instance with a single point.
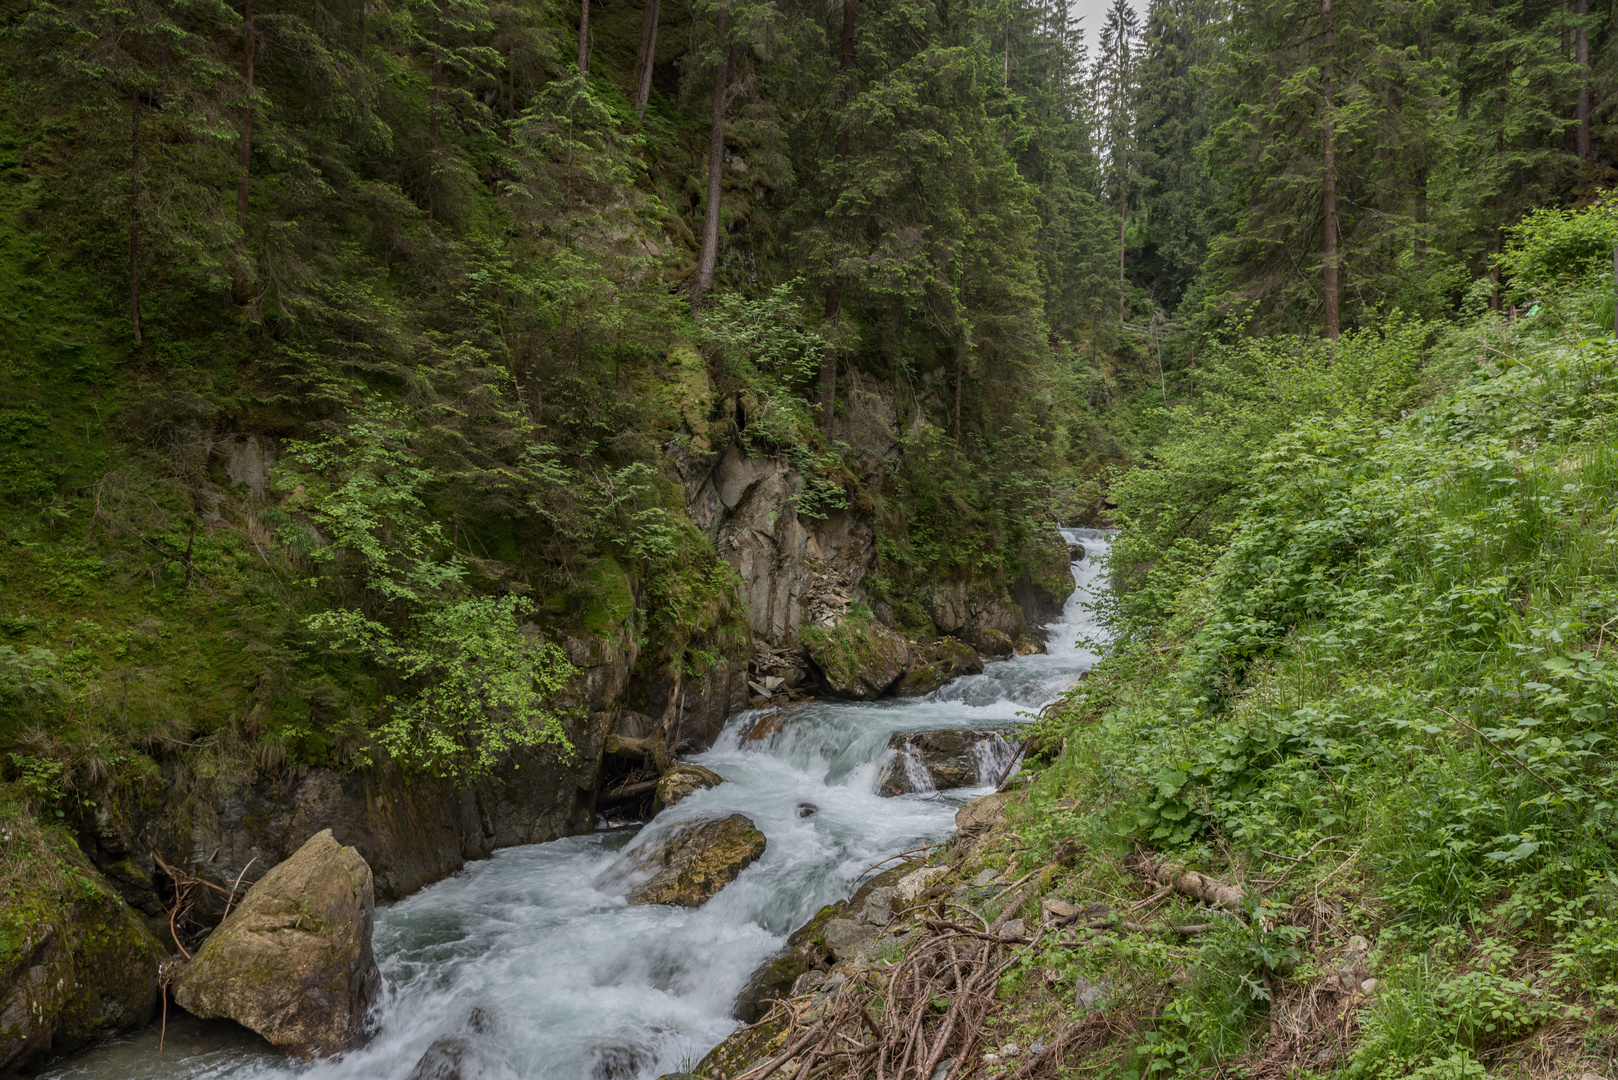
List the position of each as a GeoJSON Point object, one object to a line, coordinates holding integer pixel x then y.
{"type": "Point", "coordinates": [747, 506]}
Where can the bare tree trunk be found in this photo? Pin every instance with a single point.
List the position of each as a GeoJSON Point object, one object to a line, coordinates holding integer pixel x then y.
{"type": "Point", "coordinates": [708, 259]}
{"type": "Point", "coordinates": [651, 10]}
{"type": "Point", "coordinates": [134, 218]}
{"type": "Point", "coordinates": [1123, 211]}
{"type": "Point", "coordinates": [244, 178]}
{"type": "Point", "coordinates": [511, 89]}
{"type": "Point", "coordinates": [1583, 46]}
{"type": "Point", "coordinates": [961, 349]}
{"type": "Point", "coordinates": [1328, 124]}
{"type": "Point", "coordinates": [828, 360]}
{"type": "Point", "coordinates": [834, 291]}
{"type": "Point", "coordinates": [359, 52]}
{"type": "Point", "coordinates": [584, 37]}
{"type": "Point", "coordinates": [434, 139]}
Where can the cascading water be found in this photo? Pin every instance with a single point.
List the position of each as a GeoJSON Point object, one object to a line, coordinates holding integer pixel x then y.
{"type": "Point", "coordinates": [518, 968]}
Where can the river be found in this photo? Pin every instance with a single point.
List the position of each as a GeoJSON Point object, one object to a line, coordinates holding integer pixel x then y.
{"type": "Point", "coordinates": [562, 982]}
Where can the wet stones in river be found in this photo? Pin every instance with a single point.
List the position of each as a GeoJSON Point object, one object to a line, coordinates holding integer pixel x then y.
{"type": "Point", "coordinates": [681, 781]}
{"type": "Point", "coordinates": [293, 962]}
{"type": "Point", "coordinates": [454, 1054]}
{"type": "Point", "coordinates": [928, 761]}
{"type": "Point", "coordinates": [622, 1059]}
{"type": "Point", "coordinates": [931, 666]}
{"type": "Point", "coordinates": [1075, 551]}
{"type": "Point", "coordinates": [687, 865]}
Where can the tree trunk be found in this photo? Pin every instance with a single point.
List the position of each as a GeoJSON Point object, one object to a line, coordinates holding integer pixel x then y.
{"type": "Point", "coordinates": [360, 36]}
{"type": "Point", "coordinates": [828, 361]}
{"type": "Point", "coordinates": [834, 291]}
{"type": "Point", "coordinates": [961, 350]}
{"type": "Point", "coordinates": [1328, 125]}
{"type": "Point", "coordinates": [134, 218]}
{"type": "Point", "coordinates": [244, 177]}
{"type": "Point", "coordinates": [584, 37]}
{"type": "Point", "coordinates": [651, 10]}
{"type": "Point", "coordinates": [434, 134]}
{"type": "Point", "coordinates": [1123, 211]}
{"type": "Point", "coordinates": [708, 260]}
{"type": "Point", "coordinates": [1583, 46]}
{"type": "Point", "coordinates": [511, 89]}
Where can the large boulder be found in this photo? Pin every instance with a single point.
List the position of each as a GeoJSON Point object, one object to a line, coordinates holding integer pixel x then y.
{"type": "Point", "coordinates": [293, 962]}
{"type": "Point", "coordinates": [686, 866]}
{"type": "Point", "coordinates": [923, 761]}
{"type": "Point", "coordinates": [931, 666]}
{"type": "Point", "coordinates": [680, 782]}
{"type": "Point", "coordinates": [858, 656]}
{"type": "Point", "coordinates": [75, 962]}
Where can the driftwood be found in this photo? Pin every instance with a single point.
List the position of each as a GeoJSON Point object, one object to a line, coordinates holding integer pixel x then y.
{"type": "Point", "coordinates": [651, 751]}
{"type": "Point", "coordinates": [1194, 884]}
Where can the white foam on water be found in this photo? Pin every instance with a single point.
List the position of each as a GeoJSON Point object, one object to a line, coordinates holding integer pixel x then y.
{"type": "Point", "coordinates": [530, 972]}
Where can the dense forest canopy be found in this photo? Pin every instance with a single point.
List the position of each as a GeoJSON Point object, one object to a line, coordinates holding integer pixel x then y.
{"type": "Point", "coordinates": [483, 270]}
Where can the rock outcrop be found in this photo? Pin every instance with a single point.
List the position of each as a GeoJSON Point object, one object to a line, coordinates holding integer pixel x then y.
{"type": "Point", "coordinates": [923, 761]}
{"type": "Point", "coordinates": [681, 781]}
{"type": "Point", "coordinates": [686, 866]}
{"type": "Point", "coordinates": [293, 962]}
{"type": "Point", "coordinates": [748, 505]}
{"type": "Point", "coordinates": [821, 942]}
{"type": "Point", "coordinates": [75, 962]}
{"type": "Point", "coordinates": [931, 666]}
{"type": "Point", "coordinates": [859, 658]}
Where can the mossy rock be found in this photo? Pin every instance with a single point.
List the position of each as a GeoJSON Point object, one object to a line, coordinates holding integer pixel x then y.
{"type": "Point", "coordinates": [806, 950]}
{"type": "Point", "coordinates": [934, 665]}
{"type": "Point", "coordinates": [76, 963]}
{"type": "Point", "coordinates": [858, 656]}
{"type": "Point", "coordinates": [680, 782]}
{"type": "Point", "coordinates": [293, 962]}
{"type": "Point", "coordinates": [689, 865]}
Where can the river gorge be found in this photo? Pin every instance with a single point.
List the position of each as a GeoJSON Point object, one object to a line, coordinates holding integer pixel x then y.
{"type": "Point", "coordinates": [518, 966]}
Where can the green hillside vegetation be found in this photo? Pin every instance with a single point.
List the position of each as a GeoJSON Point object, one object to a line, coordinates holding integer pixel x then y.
{"type": "Point", "coordinates": [448, 273]}
{"type": "Point", "coordinates": [1375, 692]}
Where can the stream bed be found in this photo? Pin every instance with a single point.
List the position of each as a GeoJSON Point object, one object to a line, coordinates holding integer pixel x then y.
{"type": "Point", "coordinates": [547, 978]}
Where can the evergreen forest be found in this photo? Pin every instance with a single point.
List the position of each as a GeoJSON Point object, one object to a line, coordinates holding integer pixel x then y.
{"type": "Point", "coordinates": [362, 363]}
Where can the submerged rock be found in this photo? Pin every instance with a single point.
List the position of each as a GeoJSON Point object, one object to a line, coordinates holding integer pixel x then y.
{"type": "Point", "coordinates": [859, 658]}
{"type": "Point", "coordinates": [681, 781]}
{"type": "Point", "coordinates": [293, 962]}
{"type": "Point", "coordinates": [688, 865]}
{"type": "Point", "coordinates": [925, 761]}
{"type": "Point", "coordinates": [931, 666]}
{"type": "Point", "coordinates": [453, 1055]}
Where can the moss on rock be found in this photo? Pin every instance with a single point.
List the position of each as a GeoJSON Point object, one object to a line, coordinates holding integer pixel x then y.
{"type": "Point", "coordinates": [75, 962]}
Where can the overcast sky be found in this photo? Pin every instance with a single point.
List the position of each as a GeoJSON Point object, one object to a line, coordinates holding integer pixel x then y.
{"type": "Point", "coordinates": [1095, 14]}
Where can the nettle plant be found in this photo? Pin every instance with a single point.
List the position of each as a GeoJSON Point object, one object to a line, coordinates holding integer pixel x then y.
{"type": "Point", "coordinates": [470, 679]}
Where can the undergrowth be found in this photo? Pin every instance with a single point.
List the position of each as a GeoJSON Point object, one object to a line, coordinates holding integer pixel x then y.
{"type": "Point", "coordinates": [1380, 697]}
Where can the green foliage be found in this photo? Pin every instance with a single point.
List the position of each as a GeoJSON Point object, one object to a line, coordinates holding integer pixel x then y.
{"type": "Point", "coordinates": [763, 352]}
{"type": "Point", "coordinates": [474, 684]}
{"type": "Point", "coordinates": [1387, 686]}
{"type": "Point", "coordinates": [1561, 248]}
